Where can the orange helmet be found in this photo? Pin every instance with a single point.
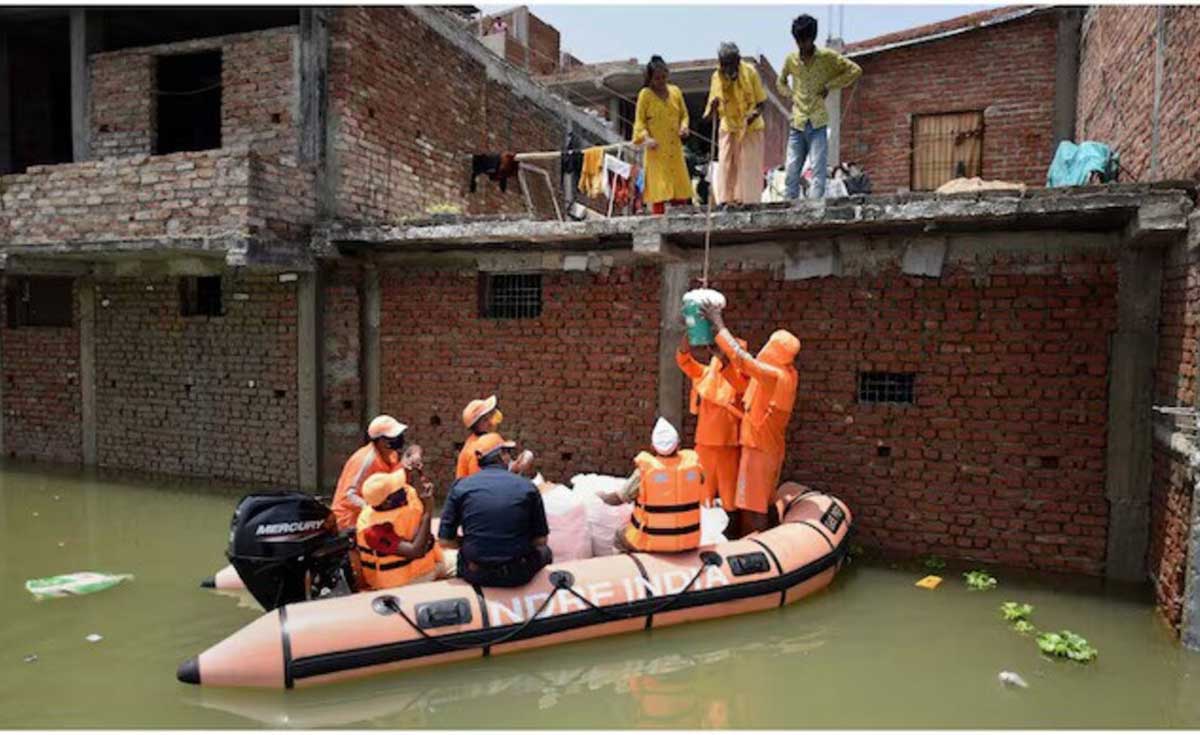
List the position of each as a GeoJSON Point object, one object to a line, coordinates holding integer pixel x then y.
{"type": "Point", "coordinates": [477, 409]}
{"type": "Point", "coordinates": [489, 443]}
{"type": "Point", "coordinates": [380, 485]}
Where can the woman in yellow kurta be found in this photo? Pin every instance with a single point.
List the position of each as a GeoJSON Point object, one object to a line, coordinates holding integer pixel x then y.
{"type": "Point", "coordinates": [661, 124]}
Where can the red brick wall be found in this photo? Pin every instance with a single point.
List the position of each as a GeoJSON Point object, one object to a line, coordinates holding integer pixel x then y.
{"type": "Point", "coordinates": [342, 379]}
{"type": "Point", "coordinates": [406, 127]}
{"type": "Point", "coordinates": [40, 370]}
{"type": "Point", "coordinates": [577, 385]}
{"type": "Point", "coordinates": [173, 394]}
{"type": "Point", "coordinates": [1116, 87]}
{"type": "Point", "coordinates": [1170, 514]}
{"type": "Point", "coordinates": [258, 96]}
{"type": "Point", "coordinates": [1003, 457]}
{"type": "Point", "coordinates": [1006, 71]}
{"type": "Point", "coordinates": [543, 46]}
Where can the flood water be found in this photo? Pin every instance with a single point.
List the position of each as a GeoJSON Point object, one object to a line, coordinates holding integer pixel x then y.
{"type": "Point", "coordinates": [872, 651]}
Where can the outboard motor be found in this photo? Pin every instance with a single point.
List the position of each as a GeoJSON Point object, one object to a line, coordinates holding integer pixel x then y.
{"type": "Point", "coordinates": [286, 548]}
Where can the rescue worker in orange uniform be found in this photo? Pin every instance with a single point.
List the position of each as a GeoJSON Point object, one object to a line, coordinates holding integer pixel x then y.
{"type": "Point", "coordinates": [716, 401]}
{"type": "Point", "coordinates": [768, 404]}
{"type": "Point", "coordinates": [381, 453]}
{"type": "Point", "coordinates": [481, 417]}
{"type": "Point", "coordinates": [666, 490]}
{"type": "Point", "coordinates": [394, 535]}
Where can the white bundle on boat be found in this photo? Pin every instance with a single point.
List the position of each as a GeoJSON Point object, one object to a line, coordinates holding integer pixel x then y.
{"type": "Point", "coordinates": [567, 517]}
{"type": "Point", "coordinates": [603, 519]}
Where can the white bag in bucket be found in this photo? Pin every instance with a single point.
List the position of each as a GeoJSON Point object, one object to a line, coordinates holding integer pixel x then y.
{"type": "Point", "coordinates": [566, 515]}
{"type": "Point", "coordinates": [603, 519]}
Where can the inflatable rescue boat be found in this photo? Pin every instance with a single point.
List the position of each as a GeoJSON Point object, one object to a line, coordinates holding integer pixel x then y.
{"type": "Point", "coordinates": [317, 641]}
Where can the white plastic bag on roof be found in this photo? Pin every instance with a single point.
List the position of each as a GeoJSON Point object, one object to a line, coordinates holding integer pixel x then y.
{"type": "Point", "coordinates": [603, 519]}
{"type": "Point", "coordinates": [566, 515]}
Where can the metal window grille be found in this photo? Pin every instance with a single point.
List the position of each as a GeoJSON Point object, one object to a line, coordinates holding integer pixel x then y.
{"type": "Point", "coordinates": [200, 296]}
{"type": "Point", "coordinates": [511, 296]}
{"type": "Point", "coordinates": [945, 147]}
{"type": "Point", "coordinates": [886, 387]}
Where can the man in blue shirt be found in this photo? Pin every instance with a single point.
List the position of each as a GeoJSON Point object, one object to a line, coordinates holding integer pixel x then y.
{"type": "Point", "coordinates": [503, 522]}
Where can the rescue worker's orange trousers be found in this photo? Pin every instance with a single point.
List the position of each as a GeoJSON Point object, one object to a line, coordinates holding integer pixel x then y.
{"type": "Point", "coordinates": [721, 473]}
{"type": "Point", "coordinates": [758, 474]}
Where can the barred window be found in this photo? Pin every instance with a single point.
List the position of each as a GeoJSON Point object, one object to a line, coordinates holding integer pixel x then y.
{"type": "Point", "coordinates": [886, 387]}
{"type": "Point", "coordinates": [946, 147]}
{"type": "Point", "coordinates": [510, 295]}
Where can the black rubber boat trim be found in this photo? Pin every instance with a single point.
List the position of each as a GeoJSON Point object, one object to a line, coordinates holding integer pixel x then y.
{"type": "Point", "coordinates": [483, 615]}
{"type": "Point", "coordinates": [816, 528]}
{"type": "Point", "coordinates": [329, 663]}
{"type": "Point", "coordinates": [285, 638]}
{"type": "Point", "coordinates": [646, 577]}
{"type": "Point", "coordinates": [778, 568]}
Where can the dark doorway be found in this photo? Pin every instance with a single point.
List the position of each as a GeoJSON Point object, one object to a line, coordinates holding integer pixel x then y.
{"type": "Point", "coordinates": [189, 102]}
{"type": "Point", "coordinates": [38, 77]}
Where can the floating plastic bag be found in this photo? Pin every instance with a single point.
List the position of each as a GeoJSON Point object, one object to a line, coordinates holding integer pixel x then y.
{"type": "Point", "coordinates": [76, 583]}
{"type": "Point", "coordinates": [567, 517]}
{"type": "Point", "coordinates": [713, 522]}
{"type": "Point", "coordinates": [603, 519]}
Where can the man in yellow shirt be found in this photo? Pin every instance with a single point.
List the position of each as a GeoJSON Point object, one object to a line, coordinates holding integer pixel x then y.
{"type": "Point", "coordinates": [736, 94]}
{"type": "Point", "coordinates": [808, 75]}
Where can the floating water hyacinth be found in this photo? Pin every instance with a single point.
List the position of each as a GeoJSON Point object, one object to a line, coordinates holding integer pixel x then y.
{"type": "Point", "coordinates": [77, 583]}
{"type": "Point", "coordinates": [979, 580]}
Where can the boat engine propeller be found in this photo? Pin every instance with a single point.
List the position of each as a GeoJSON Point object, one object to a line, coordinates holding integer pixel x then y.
{"type": "Point", "coordinates": [286, 548]}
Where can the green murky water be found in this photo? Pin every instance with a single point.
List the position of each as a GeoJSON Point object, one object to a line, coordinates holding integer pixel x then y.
{"type": "Point", "coordinates": [871, 652]}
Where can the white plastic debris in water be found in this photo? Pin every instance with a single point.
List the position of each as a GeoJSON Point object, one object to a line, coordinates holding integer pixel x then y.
{"type": "Point", "coordinates": [77, 583]}
{"type": "Point", "coordinates": [94, 638]}
{"type": "Point", "coordinates": [31, 658]}
{"type": "Point", "coordinates": [1012, 678]}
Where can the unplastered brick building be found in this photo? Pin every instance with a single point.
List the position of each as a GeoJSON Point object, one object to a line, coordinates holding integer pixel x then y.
{"type": "Point", "coordinates": [219, 262]}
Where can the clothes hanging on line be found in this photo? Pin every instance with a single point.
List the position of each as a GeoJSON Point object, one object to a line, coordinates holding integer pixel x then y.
{"type": "Point", "coordinates": [498, 167]}
{"type": "Point", "coordinates": [591, 175]}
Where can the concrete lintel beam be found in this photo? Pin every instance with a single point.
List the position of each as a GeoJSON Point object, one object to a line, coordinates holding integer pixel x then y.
{"type": "Point", "coordinates": [656, 246]}
{"type": "Point", "coordinates": [34, 266]}
{"type": "Point", "coordinates": [816, 260]}
{"type": "Point", "coordinates": [1157, 224]}
{"type": "Point", "coordinates": [925, 258]}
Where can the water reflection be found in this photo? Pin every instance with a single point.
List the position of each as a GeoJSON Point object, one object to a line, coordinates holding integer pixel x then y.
{"type": "Point", "coordinates": [693, 686]}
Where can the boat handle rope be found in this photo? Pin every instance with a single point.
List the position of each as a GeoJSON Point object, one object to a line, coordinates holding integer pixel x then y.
{"type": "Point", "coordinates": [392, 603]}
{"type": "Point", "coordinates": [562, 580]}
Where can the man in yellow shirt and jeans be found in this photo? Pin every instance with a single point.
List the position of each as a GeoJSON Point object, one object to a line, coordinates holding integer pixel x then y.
{"type": "Point", "coordinates": [808, 75]}
{"type": "Point", "coordinates": [736, 95]}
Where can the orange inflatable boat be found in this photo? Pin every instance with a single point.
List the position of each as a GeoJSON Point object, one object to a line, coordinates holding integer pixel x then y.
{"type": "Point", "coordinates": [325, 640]}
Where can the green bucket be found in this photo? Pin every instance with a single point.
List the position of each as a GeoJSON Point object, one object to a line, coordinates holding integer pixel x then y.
{"type": "Point", "coordinates": [699, 328]}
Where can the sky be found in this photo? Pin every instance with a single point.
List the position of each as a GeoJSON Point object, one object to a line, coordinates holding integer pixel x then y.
{"type": "Point", "coordinates": [597, 33]}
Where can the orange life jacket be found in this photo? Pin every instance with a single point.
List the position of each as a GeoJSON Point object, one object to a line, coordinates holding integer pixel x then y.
{"type": "Point", "coordinates": [381, 571]}
{"type": "Point", "coordinates": [361, 465]}
{"type": "Point", "coordinates": [468, 463]}
{"type": "Point", "coordinates": [666, 516]}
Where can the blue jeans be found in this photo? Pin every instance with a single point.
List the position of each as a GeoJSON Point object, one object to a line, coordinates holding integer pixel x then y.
{"type": "Point", "coordinates": [800, 142]}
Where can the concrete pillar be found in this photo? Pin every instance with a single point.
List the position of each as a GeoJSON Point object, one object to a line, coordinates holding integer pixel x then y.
{"type": "Point", "coordinates": [87, 368]}
{"type": "Point", "coordinates": [614, 114]}
{"type": "Point", "coordinates": [313, 82]}
{"type": "Point", "coordinates": [1066, 72]}
{"type": "Point", "coordinates": [1160, 51]}
{"type": "Point", "coordinates": [670, 379]}
{"type": "Point", "coordinates": [1130, 401]}
{"type": "Point", "coordinates": [86, 35]}
{"type": "Point", "coordinates": [833, 103]}
{"type": "Point", "coordinates": [372, 303]}
{"type": "Point", "coordinates": [308, 388]}
{"type": "Point", "coordinates": [6, 157]}
{"type": "Point", "coordinates": [1189, 625]}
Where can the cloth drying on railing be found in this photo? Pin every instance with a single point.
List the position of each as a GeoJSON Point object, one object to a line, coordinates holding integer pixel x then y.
{"type": "Point", "coordinates": [498, 167]}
